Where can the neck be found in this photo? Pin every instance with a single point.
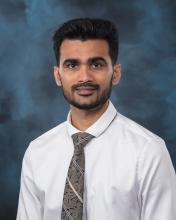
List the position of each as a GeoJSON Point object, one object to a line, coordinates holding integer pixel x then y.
{"type": "Point", "coordinates": [83, 119]}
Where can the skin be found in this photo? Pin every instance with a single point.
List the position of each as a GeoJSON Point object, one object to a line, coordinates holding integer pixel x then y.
{"type": "Point", "coordinates": [82, 62]}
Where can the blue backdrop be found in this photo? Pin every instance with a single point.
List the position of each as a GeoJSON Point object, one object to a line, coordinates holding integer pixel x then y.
{"type": "Point", "coordinates": [31, 103]}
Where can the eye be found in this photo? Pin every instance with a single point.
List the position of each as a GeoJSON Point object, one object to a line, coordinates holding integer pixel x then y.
{"type": "Point", "coordinates": [97, 65]}
{"type": "Point", "coordinates": [71, 65]}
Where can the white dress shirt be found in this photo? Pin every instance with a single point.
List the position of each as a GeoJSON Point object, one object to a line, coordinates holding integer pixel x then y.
{"type": "Point", "coordinates": [128, 173]}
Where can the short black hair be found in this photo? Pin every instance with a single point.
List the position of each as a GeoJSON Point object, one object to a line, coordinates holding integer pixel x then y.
{"type": "Point", "coordinates": [86, 29]}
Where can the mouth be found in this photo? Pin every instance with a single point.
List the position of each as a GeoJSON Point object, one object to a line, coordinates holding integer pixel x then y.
{"type": "Point", "coordinates": [85, 90]}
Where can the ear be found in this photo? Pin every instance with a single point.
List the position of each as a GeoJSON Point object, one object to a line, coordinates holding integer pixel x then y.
{"type": "Point", "coordinates": [57, 76]}
{"type": "Point", "coordinates": [116, 74]}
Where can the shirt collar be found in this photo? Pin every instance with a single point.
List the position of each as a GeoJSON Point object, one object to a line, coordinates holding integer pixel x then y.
{"type": "Point", "coordinates": [99, 126]}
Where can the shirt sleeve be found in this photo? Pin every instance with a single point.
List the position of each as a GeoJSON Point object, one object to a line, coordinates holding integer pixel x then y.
{"type": "Point", "coordinates": [29, 207]}
{"type": "Point", "coordinates": [157, 182]}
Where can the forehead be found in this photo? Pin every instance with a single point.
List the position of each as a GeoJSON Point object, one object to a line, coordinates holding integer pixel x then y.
{"type": "Point", "coordinates": [84, 49]}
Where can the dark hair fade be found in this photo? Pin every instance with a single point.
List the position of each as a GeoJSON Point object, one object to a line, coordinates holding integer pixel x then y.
{"type": "Point", "coordinates": [86, 29]}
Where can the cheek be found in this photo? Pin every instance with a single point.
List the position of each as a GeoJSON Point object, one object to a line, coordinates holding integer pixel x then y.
{"type": "Point", "coordinates": [106, 80]}
{"type": "Point", "coordinates": [67, 82]}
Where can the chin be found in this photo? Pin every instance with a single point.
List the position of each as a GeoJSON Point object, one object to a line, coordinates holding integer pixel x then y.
{"type": "Point", "coordinates": [88, 106]}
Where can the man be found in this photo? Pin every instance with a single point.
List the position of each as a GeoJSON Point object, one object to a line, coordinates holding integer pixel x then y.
{"type": "Point", "coordinates": [98, 165]}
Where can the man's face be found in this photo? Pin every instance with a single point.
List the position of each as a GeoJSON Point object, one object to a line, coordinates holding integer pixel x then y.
{"type": "Point", "coordinates": [86, 73]}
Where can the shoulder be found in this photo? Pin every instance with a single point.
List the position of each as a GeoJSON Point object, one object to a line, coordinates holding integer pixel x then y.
{"type": "Point", "coordinates": [137, 139]}
{"type": "Point", "coordinates": [132, 129]}
{"type": "Point", "coordinates": [43, 150]}
{"type": "Point", "coordinates": [150, 149]}
{"type": "Point", "coordinates": [48, 140]}
{"type": "Point", "coordinates": [58, 130]}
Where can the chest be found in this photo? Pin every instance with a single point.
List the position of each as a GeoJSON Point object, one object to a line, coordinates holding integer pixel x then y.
{"type": "Point", "coordinates": [110, 171]}
{"type": "Point", "coordinates": [110, 179]}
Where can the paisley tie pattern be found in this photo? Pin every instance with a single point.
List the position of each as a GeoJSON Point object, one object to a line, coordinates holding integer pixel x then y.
{"type": "Point", "coordinates": [72, 208]}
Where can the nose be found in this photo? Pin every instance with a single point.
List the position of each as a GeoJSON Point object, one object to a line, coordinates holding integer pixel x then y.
{"type": "Point", "coordinates": [84, 74]}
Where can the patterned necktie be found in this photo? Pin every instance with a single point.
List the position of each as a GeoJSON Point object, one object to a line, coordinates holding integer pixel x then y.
{"type": "Point", "coordinates": [72, 208]}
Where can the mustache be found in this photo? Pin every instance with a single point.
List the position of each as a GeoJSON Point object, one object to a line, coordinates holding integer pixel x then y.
{"type": "Point", "coordinates": [85, 84]}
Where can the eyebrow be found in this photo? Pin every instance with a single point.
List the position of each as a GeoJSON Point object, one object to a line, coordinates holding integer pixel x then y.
{"type": "Point", "coordinates": [94, 59]}
{"type": "Point", "coordinates": [70, 61]}
{"type": "Point", "coordinates": [90, 60]}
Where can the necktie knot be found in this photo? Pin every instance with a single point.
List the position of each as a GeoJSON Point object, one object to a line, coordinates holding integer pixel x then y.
{"type": "Point", "coordinates": [81, 138]}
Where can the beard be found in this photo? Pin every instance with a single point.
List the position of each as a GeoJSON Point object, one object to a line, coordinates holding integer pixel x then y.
{"type": "Point", "coordinates": [98, 102]}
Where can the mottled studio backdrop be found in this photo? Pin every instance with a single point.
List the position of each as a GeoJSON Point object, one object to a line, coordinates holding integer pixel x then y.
{"type": "Point", "coordinates": [31, 103]}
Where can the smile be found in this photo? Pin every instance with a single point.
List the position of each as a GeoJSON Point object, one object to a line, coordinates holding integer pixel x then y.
{"type": "Point", "coordinates": [85, 91]}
